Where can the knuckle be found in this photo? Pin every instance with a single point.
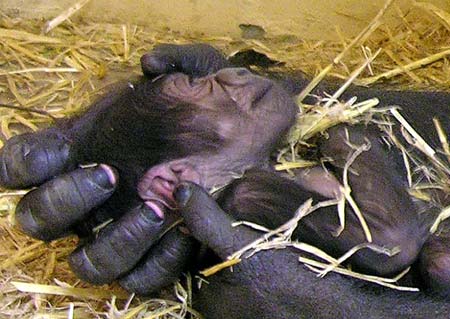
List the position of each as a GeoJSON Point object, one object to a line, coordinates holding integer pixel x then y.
{"type": "Point", "coordinates": [35, 219]}
{"type": "Point", "coordinates": [162, 267]}
{"type": "Point", "coordinates": [84, 267]}
{"type": "Point", "coordinates": [30, 159]}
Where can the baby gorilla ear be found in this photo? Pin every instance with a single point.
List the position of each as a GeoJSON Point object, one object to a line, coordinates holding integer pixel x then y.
{"type": "Point", "coordinates": [192, 59]}
{"type": "Point", "coordinates": [158, 183]}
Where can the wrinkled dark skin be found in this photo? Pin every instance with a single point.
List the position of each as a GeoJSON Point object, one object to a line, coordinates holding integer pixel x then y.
{"type": "Point", "coordinates": [130, 249]}
{"type": "Point", "coordinates": [271, 284]}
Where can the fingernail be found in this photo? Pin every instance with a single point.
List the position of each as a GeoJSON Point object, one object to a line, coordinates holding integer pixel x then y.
{"type": "Point", "coordinates": [110, 172]}
{"type": "Point", "coordinates": [157, 211]}
{"type": "Point", "coordinates": [182, 194]}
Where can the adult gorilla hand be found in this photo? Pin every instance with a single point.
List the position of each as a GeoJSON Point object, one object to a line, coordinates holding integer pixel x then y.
{"type": "Point", "coordinates": [269, 284]}
{"type": "Point", "coordinates": [68, 199]}
{"type": "Point", "coordinates": [273, 284]}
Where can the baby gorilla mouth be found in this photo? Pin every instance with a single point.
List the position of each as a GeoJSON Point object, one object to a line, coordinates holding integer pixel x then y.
{"type": "Point", "coordinates": [158, 183]}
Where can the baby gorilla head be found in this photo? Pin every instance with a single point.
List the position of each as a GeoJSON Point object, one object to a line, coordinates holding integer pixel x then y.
{"type": "Point", "coordinates": [208, 130]}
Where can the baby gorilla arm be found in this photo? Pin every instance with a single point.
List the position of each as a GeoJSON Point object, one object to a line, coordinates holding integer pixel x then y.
{"type": "Point", "coordinates": [390, 213]}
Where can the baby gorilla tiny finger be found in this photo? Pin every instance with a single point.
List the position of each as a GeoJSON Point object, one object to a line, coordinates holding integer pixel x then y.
{"type": "Point", "coordinates": [118, 247]}
{"type": "Point", "coordinates": [32, 158]}
{"type": "Point", "coordinates": [162, 265]}
{"type": "Point", "coordinates": [48, 212]}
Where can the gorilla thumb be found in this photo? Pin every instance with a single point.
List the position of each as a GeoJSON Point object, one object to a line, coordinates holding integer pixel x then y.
{"type": "Point", "coordinates": [209, 223]}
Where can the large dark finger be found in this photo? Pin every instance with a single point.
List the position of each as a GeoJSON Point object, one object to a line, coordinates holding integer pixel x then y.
{"type": "Point", "coordinates": [162, 265]}
{"type": "Point", "coordinates": [191, 59]}
{"type": "Point", "coordinates": [119, 246]}
{"type": "Point", "coordinates": [209, 223]}
{"type": "Point", "coordinates": [32, 158]}
{"type": "Point", "coordinates": [49, 211]}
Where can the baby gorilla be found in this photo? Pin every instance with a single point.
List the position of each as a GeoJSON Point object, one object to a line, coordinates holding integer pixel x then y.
{"type": "Point", "coordinates": [153, 134]}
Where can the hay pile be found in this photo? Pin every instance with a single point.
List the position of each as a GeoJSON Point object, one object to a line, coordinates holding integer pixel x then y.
{"type": "Point", "coordinates": [63, 71]}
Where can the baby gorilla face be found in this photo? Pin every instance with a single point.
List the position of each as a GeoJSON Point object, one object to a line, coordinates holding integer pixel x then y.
{"type": "Point", "coordinates": [249, 113]}
{"type": "Point", "coordinates": [243, 107]}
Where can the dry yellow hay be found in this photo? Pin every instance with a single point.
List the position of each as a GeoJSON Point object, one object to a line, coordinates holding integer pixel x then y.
{"type": "Point", "coordinates": [63, 71]}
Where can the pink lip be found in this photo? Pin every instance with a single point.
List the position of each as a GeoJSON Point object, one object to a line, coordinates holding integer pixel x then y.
{"type": "Point", "coordinates": [158, 183]}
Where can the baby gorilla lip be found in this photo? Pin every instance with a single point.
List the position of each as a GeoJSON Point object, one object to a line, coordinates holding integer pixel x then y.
{"type": "Point", "coordinates": [158, 184]}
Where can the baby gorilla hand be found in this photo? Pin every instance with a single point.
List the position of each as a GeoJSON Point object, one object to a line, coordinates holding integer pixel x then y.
{"type": "Point", "coordinates": [192, 59]}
